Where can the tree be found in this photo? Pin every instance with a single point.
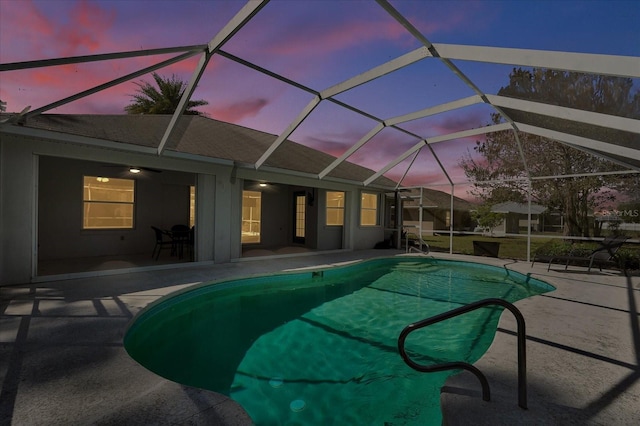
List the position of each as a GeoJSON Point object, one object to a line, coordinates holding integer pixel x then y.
{"type": "Point", "coordinates": [487, 219]}
{"type": "Point", "coordinates": [150, 100]}
{"type": "Point", "coordinates": [497, 169]}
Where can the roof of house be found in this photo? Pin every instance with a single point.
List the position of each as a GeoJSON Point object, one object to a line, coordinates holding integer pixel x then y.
{"type": "Point", "coordinates": [519, 208]}
{"type": "Point", "coordinates": [206, 137]}
{"type": "Point", "coordinates": [432, 198]}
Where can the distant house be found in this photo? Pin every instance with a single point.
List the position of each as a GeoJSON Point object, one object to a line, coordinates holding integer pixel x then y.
{"type": "Point", "coordinates": [517, 217]}
{"type": "Point", "coordinates": [69, 191]}
{"type": "Point", "coordinates": [436, 212]}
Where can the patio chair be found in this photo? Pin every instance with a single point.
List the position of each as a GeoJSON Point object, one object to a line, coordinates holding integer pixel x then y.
{"type": "Point", "coordinates": [180, 237]}
{"type": "Point", "coordinates": [163, 240]}
{"type": "Point", "coordinates": [603, 255]}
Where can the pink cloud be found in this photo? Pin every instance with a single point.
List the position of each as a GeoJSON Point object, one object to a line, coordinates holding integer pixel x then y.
{"type": "Point", "coordinates": [234, 112]}
{"type": "Point", "coordinates": [341, 36]}
{"type": "Point", "coordinates": [452, 17]}
{"type": "Point", "coordinates": [30, 33]}
{"type": "Point", "coordinates": [85, 32]}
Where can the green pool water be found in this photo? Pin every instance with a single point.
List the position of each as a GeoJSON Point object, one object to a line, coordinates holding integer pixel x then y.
{"type": "Point", "coordinates": [320, 347]}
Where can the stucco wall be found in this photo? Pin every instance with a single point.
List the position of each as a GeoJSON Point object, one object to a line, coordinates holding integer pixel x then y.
{"type": "Point", "coordinates": [218, 204]}
{"type": "Point", "coordinates": [18, 169]}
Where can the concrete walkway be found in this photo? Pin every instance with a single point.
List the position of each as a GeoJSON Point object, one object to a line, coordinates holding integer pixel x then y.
{"type": "Point", "coordinates": [583, 356]}
{"type": "Point", "coordinates": [62, 361]}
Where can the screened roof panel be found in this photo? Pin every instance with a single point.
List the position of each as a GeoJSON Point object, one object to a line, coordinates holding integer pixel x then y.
{"type": "Point", "coordinates": [332, 128]}
{"type": "Point", "coordinates": [320, 44]}
{"type": "Point", "coordinates": [383, 148]}
{"type": "Point", "coordinates": [418, 169]}
{"type": "Point", "coordinates": [450, 153]}
{"type": "Point", "coordinates": [611, 136]}
{"type": "Point", "coordinates": [423, 84]}
{"type": "Point", "coordinates": [460, 119]}
{"type": "Point", "coordinates": [241, 95]}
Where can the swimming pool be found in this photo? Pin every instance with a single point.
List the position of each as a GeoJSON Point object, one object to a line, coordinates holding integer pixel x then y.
{"type": "Point", "coordinates": [320, 347]}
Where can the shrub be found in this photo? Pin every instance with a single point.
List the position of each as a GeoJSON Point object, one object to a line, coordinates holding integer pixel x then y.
{"type": "Point", "coordinates": [628, 259]}
{"type": "Point", "coordinates": [554, 248]}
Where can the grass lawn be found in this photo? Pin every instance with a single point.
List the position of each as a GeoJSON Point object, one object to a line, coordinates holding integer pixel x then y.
{"type": "Point", "coordinates": [510, 247]}
{"type": "Point", "coordinates": [516, 247]}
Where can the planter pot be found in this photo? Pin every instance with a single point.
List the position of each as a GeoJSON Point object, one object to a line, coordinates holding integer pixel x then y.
{"type": "Point", "coordinates": [486, 248]}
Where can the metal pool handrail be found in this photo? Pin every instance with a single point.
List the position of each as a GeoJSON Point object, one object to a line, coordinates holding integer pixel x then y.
{"type": "Point", "coordinates": [522, 361]}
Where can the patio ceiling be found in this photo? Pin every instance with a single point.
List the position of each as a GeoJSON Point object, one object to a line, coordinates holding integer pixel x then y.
{"type": "Point", "coordinates": [615, 138]}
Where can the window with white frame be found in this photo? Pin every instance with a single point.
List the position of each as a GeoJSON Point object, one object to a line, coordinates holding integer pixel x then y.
{"type": "Point", "coordinates": [369, 209]}
{"type": "Point", "coordinates": [108, 203]}
{"type": "Point", "coordinates": [335, 208]}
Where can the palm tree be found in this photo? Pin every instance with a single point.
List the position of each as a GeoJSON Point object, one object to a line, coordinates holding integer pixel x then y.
{"type": "Point", "coordinates": [150, 100]}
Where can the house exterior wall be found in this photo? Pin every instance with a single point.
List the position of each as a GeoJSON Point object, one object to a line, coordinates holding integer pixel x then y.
{"type": "Point", "coordinates": [365, 237]}
{"type": "Point", "coordinates": [218, 204]}
{"type": "Point", "coordinates": [329, 237]}
{"type": "Point", "coordinates": [18, 168]}
{"type": "Point", "coordinates": [19, 206]}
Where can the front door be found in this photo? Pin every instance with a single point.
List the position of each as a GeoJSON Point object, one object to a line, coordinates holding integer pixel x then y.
{"type": "Point", "coordinates": [299, 223]}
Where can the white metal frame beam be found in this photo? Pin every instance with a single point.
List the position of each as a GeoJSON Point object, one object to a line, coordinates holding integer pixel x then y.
{"type": "Point", "coordinates": [292, 127]}
{"type": "Point", "coordinates": [233, 26]}
{"type": "Point", "coordinates": [456, 71]}
{"type": "Point", "coordinates": [595, 118]}
{"type": "Point", "coordinates": [351, 150]}
{"type": "Point", "coordinates": [460, 103]}
{"type": "Point", "coordinates": [622, 66]}
{"type": "Point", "coordinates": [109, 84]}
{"type": "Point", "coordinates": [430, 141]}
{"type": "Point", "coordinates": [14, 66]}
{"type": "Point", "coordinates": [580, 141]}
{"type": "Point", "coordinates": [377, 72]}
{"type": "Point", "coordinates": [372, 74]}
{"type": "Point", "coordinates": [449, 106]}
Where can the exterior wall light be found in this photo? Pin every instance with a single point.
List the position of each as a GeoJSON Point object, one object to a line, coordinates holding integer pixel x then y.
{"type": "Point", "coordinates": [134, 170]}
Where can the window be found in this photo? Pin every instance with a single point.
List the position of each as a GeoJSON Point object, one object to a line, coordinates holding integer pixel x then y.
{"type": "Point", "coordinates": [108, 203]}
{"type": "Point", "coordinates": [301, 206]}
{"type": "Point", "coordinates": [251, 211]}
{"type": "Point", "coordinates": [369, 209]}
{"type": "Point", "coordinates": [335, 208]}
{"type": "Point", "coordinates": [192, 206]}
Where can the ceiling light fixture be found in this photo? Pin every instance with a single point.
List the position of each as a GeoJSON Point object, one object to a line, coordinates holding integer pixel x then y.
{"type": "Point", "coordinates": [262, 184]}
{"type": "Point", "coordinates": [134, 170]}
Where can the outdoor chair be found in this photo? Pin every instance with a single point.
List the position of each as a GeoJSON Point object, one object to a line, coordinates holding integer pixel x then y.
{"type": "Point", "coordinates": [603, 255]}
{"type": "Point", "coordinates": [163, 240]}
{"type": "Point", "coordinates": [180, 237]}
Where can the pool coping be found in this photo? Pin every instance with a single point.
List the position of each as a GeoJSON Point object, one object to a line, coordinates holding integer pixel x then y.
{"type": "Point", "coordinates": [62, 360]}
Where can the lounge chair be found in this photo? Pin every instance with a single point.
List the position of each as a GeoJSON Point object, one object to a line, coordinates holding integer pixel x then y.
{"type": "Point", "coordinates": [603, 255]}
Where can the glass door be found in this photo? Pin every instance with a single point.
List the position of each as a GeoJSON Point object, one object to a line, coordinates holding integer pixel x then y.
{"type": "Point", "coordinates": [300, 206]}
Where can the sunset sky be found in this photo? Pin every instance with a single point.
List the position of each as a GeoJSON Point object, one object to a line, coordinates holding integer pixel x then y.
{"type": "Point", "coordinates": [315, 43]}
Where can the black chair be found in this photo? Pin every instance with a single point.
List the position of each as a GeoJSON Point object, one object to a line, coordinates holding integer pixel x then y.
{"type": "Point", "coordinates": [163, 240]}
{"type": "Point", "coordinates": [603, 255]}
{"type": "Point", "coordinates": [180, 237]}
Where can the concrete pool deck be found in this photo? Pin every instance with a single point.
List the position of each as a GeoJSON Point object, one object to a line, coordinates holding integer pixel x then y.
{"type": "Point", "coordinates": [62, 360]}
